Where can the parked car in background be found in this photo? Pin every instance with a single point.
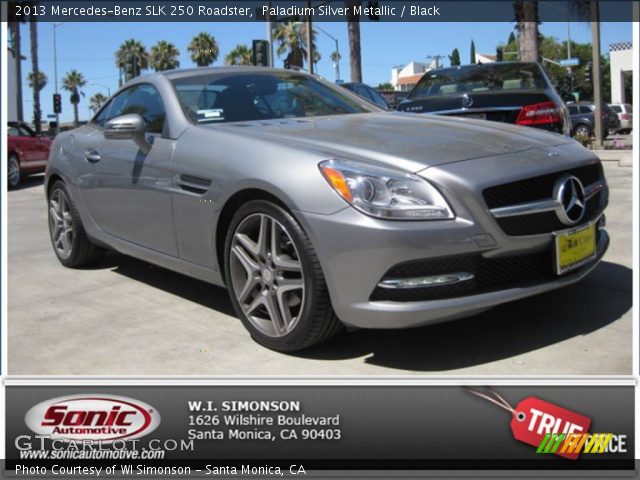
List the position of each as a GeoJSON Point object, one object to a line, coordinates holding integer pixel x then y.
{"type": "Point", "coordinates": [625, 116]}
{"type": "Point", "coordinates": [393, 97]}
{"type": "Point", "coordinates": [582, 117]}
{"type": "Point", "coordinates": [316, 208]}
{"type": "Point", "coordinates": [509, 92]}
{"type": "Point", "coordinates": [366, 92]}
{"type": "Point", "coordinates": [27, 153]}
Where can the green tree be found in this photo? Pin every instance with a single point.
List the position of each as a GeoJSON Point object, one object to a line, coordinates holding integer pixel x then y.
{"type": "Point", "coordinates": [454, 58]}
{"type": "Point", "coordinates": [472, 56]}
{"type": "Point", "coordinates": [164, 56]}
{"type": "Point", "coordinates": [384, 86]}
{"type": "Point", "coordinates": [129, 50]}
{"type": "Point", "coordinates": [240, 55]}
{"type": "Point", "coordinates": [203, 49]}
{"type": "Point", "coordinates": [292, 40]}
{"type": "Point", "coordinates": [96, 101]}
{"type": "Point", "coordinates": [512, 38]}
{"type": "Point", "coordinates": [37, 81]}
{"type": "Point", "coordinates": [72, 82]}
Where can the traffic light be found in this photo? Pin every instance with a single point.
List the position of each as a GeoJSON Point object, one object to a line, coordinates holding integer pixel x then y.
{"type": "Point", "coordinates": [588, 73]}
{"type": "Point", "coordinates": [57, 103]}
{"type": "Point", "coordinates": [287, 63]}
{"type": "Point", "coordinates": [499, 54]}
{"type": "Point", "coordinates": [260, 53]}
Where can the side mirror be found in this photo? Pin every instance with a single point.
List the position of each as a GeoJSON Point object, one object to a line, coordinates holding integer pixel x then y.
{"type": "Point", "coordinates": [128, 127]}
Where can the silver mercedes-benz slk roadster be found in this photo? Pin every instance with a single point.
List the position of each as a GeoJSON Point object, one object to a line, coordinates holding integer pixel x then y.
{"type": "Point", "coordinates": [317, 209]}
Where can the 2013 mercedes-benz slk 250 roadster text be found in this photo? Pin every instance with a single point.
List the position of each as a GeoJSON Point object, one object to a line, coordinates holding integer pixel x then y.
{"type": "Point", "coordinates": [316, 209]}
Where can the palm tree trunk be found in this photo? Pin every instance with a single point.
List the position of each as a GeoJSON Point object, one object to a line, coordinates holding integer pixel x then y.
{"type": "Point", "coordinates": [527, 18]}
{"type": "Point", "coordinates": [37, 113]}
{"type": "Point", "coordinates": [76, 119]}
{"type": "Point", "coordinates": [355, 60]}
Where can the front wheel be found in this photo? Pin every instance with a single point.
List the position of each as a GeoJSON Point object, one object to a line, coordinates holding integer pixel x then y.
{"type": "Point", "coordinates": [68, 238]}
{"type": "Point", "coordinates": [13, 174]}
{"type": "Point", "coordinates": [274, 277]}
{"type": "Point", "coordinates": [582, 130]}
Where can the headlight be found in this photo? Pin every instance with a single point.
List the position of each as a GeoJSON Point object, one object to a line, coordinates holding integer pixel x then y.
{"type": "Point", "coordinates": [385, 193]}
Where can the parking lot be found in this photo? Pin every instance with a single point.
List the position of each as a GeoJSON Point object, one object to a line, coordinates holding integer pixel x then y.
{"type": "Point", "coordinates": [125, 317]}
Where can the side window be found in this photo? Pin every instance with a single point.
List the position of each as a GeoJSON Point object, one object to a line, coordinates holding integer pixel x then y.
{"type": "Point", "coordinates": [101, 118]}
{"type": "Point", "coordinates": [145, 100]}
{"type": "Point", "coordinates": [573, 110]}
{"type": "Point", "coordinates": [377, 98]}
{"type": "Point", "coordinates": [585, 110]}
{"type": "Point", "coordinates": [13, 131]}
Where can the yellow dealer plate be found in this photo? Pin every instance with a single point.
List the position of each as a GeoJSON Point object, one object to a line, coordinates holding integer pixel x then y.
{"type": "Point", "coordinates": [575, 248]}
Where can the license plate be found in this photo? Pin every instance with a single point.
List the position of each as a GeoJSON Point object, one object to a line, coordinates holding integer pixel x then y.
{"type": "Point", "coordinates": [575, 248]}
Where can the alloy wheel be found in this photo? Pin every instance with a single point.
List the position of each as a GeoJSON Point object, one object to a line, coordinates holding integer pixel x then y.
{"type": "Point", "coordinates": [14, 172]}
{"type": "Point", "coordinates": [267, 275]}
{"type": "Point", "coordinates": [61, 223]}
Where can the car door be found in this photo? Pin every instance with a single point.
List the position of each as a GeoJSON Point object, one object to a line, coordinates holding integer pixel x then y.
{"type": "Point", "coordinates": [128, 192]}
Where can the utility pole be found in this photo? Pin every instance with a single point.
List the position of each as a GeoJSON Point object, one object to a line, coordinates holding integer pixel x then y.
{"type": "Point", "coordinates": [597, 73]}
{"type": "Point", "coordinates": [310, 52]}
{"type": "Point", "coordinates": [437, 59]}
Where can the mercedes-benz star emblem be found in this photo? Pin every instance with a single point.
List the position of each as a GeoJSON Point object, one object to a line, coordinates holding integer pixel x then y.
{"type": "Point", "coordinates": [467, 101]}
{"type": "Point", "coordinates": [569, 193]}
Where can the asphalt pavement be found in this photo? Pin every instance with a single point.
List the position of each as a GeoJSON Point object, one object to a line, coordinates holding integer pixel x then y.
{"type": "Point", "coordinates": [126, 317]}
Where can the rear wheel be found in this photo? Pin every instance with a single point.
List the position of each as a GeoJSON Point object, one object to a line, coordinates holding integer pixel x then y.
{"type": "Point", "coordinates": [274, 277]}
{"type": "Point", "coordinates": [68, 238]}
{"type": "Point", "coordinates": [13, 173]}
{"type": "Point", "coordinates": [582, 130]}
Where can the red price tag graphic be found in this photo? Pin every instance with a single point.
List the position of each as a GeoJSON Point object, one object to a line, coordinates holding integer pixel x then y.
{"type": "Point", "coordinates": [535, 418]}
{"type": "Point", "coordinates": [532, 419]}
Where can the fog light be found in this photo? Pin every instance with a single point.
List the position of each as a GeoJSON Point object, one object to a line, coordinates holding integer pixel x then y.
{"type": "Point", "coordinates": [430, 281]}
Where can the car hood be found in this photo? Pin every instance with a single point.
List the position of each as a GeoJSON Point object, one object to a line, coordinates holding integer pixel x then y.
{"type": "Point", "coordinates": [409, 141]}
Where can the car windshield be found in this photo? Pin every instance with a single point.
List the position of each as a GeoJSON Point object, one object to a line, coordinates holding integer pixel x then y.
{"type": "Point", "coordinates": [479, 78]}
{"type": "Point", "coordinates": [239, 97]}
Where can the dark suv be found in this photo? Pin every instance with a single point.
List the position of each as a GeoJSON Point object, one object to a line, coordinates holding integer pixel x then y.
{"type": "Point", "coordinates": [582, 115]}
{"type": "Point", "coordinates": [511, 92]}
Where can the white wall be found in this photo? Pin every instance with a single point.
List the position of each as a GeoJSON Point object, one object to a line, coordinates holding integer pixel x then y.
{"type": "Point", "coordinates": [621, 60]}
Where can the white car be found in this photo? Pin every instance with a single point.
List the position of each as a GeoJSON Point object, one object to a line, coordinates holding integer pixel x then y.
{"type": "Point", "coordinates": [625, 115]}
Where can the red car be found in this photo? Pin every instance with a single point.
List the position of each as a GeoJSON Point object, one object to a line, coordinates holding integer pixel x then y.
{"type": "Point", "coordinates": [27, 153]}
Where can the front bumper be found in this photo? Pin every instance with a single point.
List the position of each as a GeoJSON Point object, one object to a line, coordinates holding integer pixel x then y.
{"type": "Point", "coordinates": [357, 251]}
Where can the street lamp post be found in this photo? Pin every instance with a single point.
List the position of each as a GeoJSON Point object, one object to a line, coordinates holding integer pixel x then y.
{"type": "Point", "coordinates": [337, 64]}
{"type": "Point", "coordinates": [103, 86]}
{"type": "Point", "coordinates": [55, 70]}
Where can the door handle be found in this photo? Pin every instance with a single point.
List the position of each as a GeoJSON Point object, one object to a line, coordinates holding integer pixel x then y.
{"type": "Point", "coordinates": [92, 156]}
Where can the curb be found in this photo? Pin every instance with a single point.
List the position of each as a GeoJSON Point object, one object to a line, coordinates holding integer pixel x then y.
{"type": "Point", "coordinates": [623, 157]}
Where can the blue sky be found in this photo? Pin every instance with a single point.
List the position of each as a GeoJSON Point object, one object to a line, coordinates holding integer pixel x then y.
{"type": "Point", "coordinates": [89, 47]}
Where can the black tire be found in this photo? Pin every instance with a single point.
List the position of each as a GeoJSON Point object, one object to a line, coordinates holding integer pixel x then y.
{"type": "Point", "coordinates": [13, 171]}
{"type": "Point", "coordinates": [316, 321]}
{"type": "Point", "coordinates": [82, 252]}
{"type": "Point", "coordinates": [582, 129]}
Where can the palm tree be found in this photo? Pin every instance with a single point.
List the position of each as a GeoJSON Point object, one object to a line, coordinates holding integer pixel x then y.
{"type": "Point", "coordinates": [164, 56]}
{"type": "Point", "coordinates": [37, 111]}
{"type": "Point", "coordinates": [292, 38]}
{"type": "Point", "coordinates": [526, 13]}
{"type": "Point", "coordinates": [37, 81]}
{"type": "Point", "coordinates": [72, 82]}
{"type": "Point", "coordinates": [353, 26]}
{"type": "Point", "coordinates": [204, 49]}
{"type": "Point", "coordinates": [132, 50]}
{"type": "Point", "coordinates": [96, 101]}
{"type": "Point", "coordinates": [240, 55]}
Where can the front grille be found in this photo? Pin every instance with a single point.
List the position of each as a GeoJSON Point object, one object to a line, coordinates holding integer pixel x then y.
{"type": "Point", "coordinates": [545, 222]}
{"type": "Point", "coordinates": [541, 188]}
{"type": "Point", "coordinates": [537, 188]}
{"type": "Point", "coordinates": [489, 275]}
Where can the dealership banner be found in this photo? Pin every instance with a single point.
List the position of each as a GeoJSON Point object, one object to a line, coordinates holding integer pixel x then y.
{"type": "Point", "coordinates": [287, 10]}
{"type": "Point", "coordinates": [291, 430]}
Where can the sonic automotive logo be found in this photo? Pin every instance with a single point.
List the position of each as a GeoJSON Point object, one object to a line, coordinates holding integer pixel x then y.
{"type": "Point", "coordinates": [104, 418]}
